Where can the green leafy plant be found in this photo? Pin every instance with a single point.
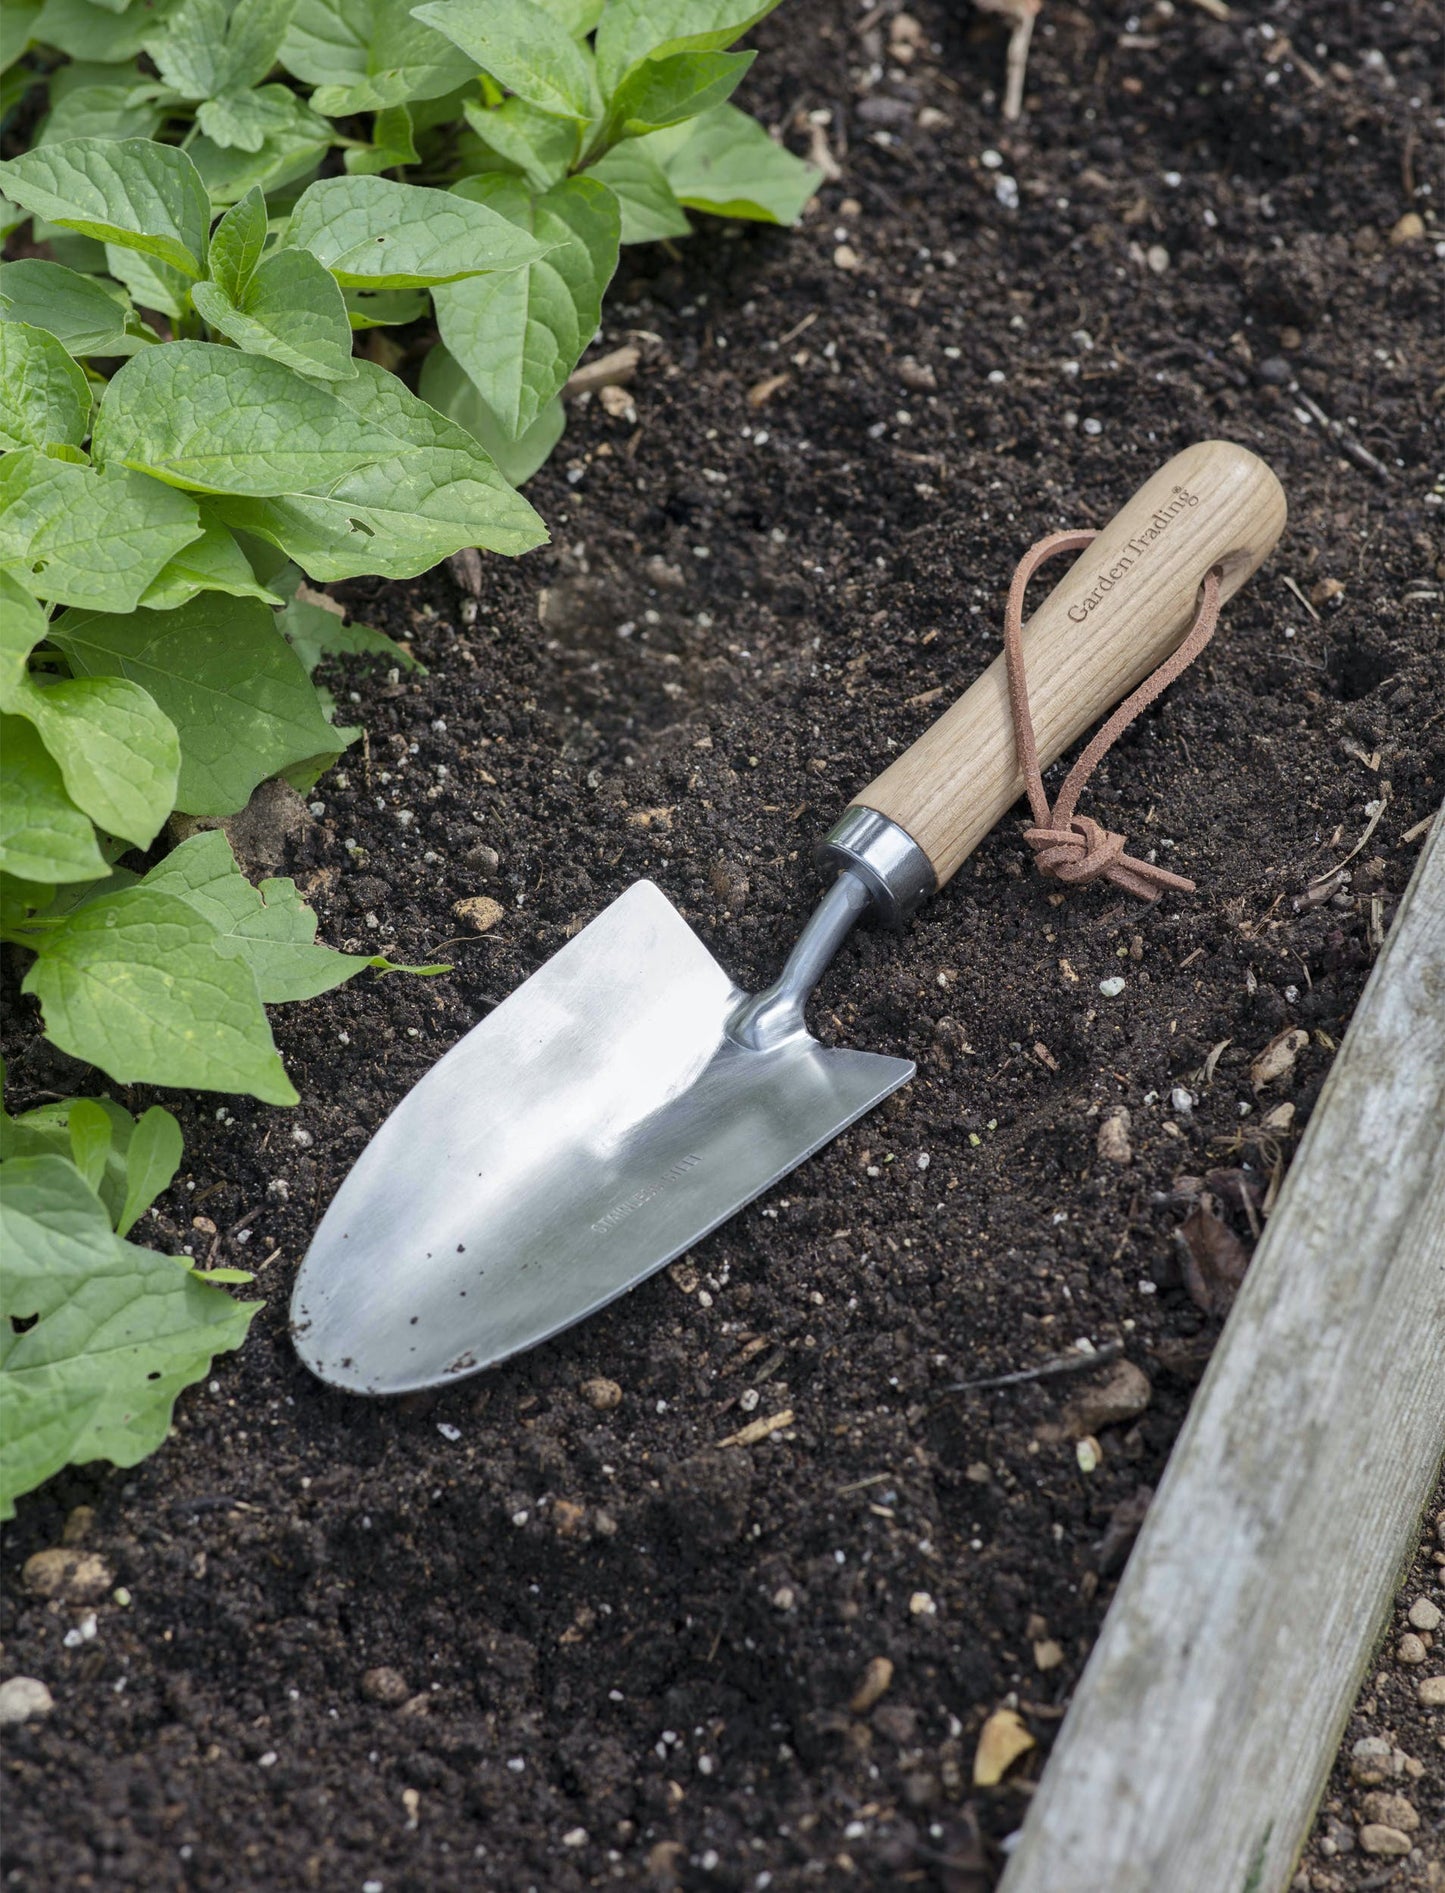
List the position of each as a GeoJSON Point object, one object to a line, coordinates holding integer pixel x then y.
{"type": "Point", "coordinates": [221, 196]}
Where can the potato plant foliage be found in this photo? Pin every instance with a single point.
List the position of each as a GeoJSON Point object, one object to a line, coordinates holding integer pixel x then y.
{"type": "Point", "coordinates": [212, 199]}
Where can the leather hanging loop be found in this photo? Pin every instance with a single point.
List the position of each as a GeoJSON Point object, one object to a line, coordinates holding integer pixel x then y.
{"type": "Point", "coordinates": [1072, 848]}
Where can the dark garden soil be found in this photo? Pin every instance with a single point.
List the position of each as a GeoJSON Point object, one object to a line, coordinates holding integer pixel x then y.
{"type": "Point", "coordinates": [616, 1653]}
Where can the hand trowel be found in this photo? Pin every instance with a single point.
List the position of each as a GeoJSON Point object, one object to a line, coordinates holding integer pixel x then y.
{"type": "Point", "coordinates": [629, 1097]}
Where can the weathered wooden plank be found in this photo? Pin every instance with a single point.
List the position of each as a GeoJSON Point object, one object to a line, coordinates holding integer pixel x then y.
{"type": "Point", "coordinates": [1203, 1727]}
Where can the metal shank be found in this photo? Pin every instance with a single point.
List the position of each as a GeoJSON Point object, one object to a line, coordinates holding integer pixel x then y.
{"type": "Point", "coordinates": [899, 875]}
{"type": "Point", "coordinates": [768, 1018]}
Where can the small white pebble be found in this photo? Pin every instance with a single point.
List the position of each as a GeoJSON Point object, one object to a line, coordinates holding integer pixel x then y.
{"type": "Point", "coordinates": [448, 1431]}
{"type": "Point", "coordinates": [1092, 427]}
{"type": "Point", "coordinates": [921, 1604]}
{"type": "Point", "coordinates": [519, 1519]}
{"type": "Point", "coordinates": [301, 1138]}
{"type": "Point", "coordinates": [991, 161]}
{"type": "Point", "coordinates": [1181, 1100]}
{"type": "Point", "coordinates": [924, 1160]}
{"type": "Point", "coordinates": [575, 1837]}
{"type": "Point", "coordinates": [1111, 987]}
{"type": "Point", "coordinates": [516, 1764]}
{"type": "Point", "coordinates": [997, 377]}
{"type": "Point", "coordinates": [268, 1760]}
{"type": "Point", "coordinates": [317, 808]}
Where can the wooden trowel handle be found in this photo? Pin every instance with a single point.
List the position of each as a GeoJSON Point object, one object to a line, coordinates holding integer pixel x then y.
{"type": "Point", "coordinates": [1119, 611]}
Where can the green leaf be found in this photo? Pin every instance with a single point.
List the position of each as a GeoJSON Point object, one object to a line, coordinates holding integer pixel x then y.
{"type": "Point", "coordinates": [116, 751]}
{"type": "Point", "coordinates": [291, 311]}
{"type": "Point", "coordinates": [211, 46]}
{"type": "Point", "coordinates": [519, 336]}
{"type": "Point", "coordinates": [85, 315]}
{"type": "Point", "coordinates": [152, 284]}
{"type": "Point", "coordinates": [728, 165]}
{"type": "Point", "coordinates": [19, 34]}
{"type": "Point", "coordinates": [82, 537]}
{"type": "Point", "coordinates": [286, 155]}
{"type": "Point", "coordinates": [524, 48]}
{"type": "Point", "coordinates": [212, 563]}
{"type": "Point", "coordinates": [238, 243]}
{"type": "Point", "coordinates": [634, 30]}
{"type": "Point", "coordinates": [365, 55]}
{"type": "Point", "coordinates": [392, 143]}
{"type": "Point", "coordinates": [373, 233]}
{"type": "Point", "coordinates": [152, 1158]}
{"type": "Point", "coordinates": [132, 192]}
{"type": "Point", "coordinates": [539, 146]}
{"type": "Point", "coordinates": [218, 421]}
{"type": "Point", "coordinates": [44, 395]}
{"type": "Point", "coordinates": [243, 121]}
{"type": "Point", "coordinates": [270, 928]}
{"type": "Point", "coordinates": [101, 111]}
{"type": "Point", "coordinates": [444, 382]}
{"type": "Point", "coordinates": [43, 836]}
{"type": "Point", "coordinates": [398, 517]}
{"type": "Point", "coordinates": [48, 1130]}
{"type": "Point", "coordinates": [313, 632]}
{"type": "Point", "coordinates": [637, 180]}
{"type": "Point", "coordinates": [667, 91]}
{"type": "Point", "coordinates": [89, 1140]}
{"type": "Point", "coordinates": [134, 983]}
{"type": "Point", "coordinates": [121, 1331]}
{"type": "Point", "coordinates": [23, 623]}
{"type": "Point", "coordinates": [108, 35]}
{"type": "Point", "coordinates": [578, 16]}
{"type": "Point", "coordinates": [384, 308]}
{"type": "Point", "coordinates": [222, 672]}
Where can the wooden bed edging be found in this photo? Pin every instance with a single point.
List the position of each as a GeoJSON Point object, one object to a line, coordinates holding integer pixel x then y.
{"type": "Point", "coordinates": [1199, 1738]}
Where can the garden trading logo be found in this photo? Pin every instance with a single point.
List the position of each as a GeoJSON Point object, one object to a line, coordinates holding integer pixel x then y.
{"type": "Point", "coordinates": [621, 1211]}
{"type": "Point", "coordinates": [1183, 502]}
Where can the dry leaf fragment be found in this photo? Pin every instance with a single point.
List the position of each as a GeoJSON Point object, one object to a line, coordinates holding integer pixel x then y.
{"type": "Point", "coordinates": [876, 1679]}
{"type": "Point", "coordinates": [466, 570]}
{"type": "Point", "coordinates": [1213, 1257]}
{"type": "Point", "coordinates": [1276, 1061]}
{"type": "Point", "coordinates": [764, 390]}
{"type": "Point", "coordinates": [1112, 1142]}
{"type": "Point", "coordinates": [1002, 1739]}
{"type": "Point", "coordinates": [613, 370]}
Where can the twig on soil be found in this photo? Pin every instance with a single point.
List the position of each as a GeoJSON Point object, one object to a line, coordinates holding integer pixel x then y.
{"type": "Point", "coordinates": [797, 329]}
{"type": "Point", "coordinates": [1286, 580]}
{"type": "Point", "coordinates": [1022, 14]}
{"type": "Point", "coordinates": [1216, 9]}
{"type": "Point", "coordinates": [1370, 826]}
{"type": "Point", "coordinates": [1046, 1370]}
{"type": "Point", "coordinates": [755, 1430]}
{"type": "Point", "coordinates": [1351, 448]}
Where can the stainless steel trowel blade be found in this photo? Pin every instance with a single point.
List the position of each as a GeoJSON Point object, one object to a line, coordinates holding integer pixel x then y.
{"type": "Point", "coordinates": [589, 1130]}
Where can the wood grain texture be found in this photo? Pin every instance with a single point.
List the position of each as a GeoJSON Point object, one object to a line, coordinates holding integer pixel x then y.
{"type": "Point", "coordinates": [1204, 1725]}
{"type": "Point", "coordinates": [1088, 645]}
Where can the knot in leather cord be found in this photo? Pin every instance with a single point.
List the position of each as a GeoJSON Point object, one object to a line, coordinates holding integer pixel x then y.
{"type": "Point", "coordinates": [1069, 847]}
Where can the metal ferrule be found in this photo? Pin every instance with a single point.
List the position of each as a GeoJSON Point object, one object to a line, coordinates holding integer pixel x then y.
{"type": "Point", "coordinates": [896, 871]}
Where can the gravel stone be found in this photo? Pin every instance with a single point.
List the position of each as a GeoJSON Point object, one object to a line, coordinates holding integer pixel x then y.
{"type": "Point", "coordinates": [22, 1698]}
